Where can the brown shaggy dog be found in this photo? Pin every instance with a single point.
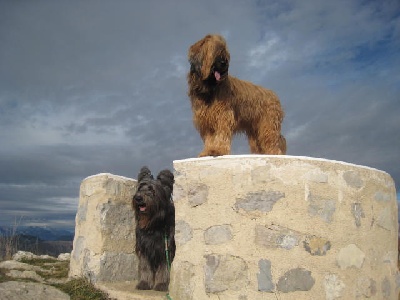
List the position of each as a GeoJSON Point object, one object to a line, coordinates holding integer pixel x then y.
{"type": "Point", "coordinates": [223, 105]}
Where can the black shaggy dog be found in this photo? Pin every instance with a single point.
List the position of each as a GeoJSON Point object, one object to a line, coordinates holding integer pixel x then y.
{"type": "Point", "coordinates": [155, 228]}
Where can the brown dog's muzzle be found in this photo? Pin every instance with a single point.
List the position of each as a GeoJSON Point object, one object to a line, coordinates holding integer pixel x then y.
{"type": "Point", "coordinates": [220, 68]}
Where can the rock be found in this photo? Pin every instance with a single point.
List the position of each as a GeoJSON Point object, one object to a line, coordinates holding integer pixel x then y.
{"type": "Point", "coordinates": [16, 290]}
{"type": "Point", "coordinates": [275, 236]}
{"type": "Point", "coordinates": [350, 256]}
{"type": "Point", "coordinates": [225, 272]}
{"type": "Point", "coordinates": [262, 201]}
{"type": "Point", "coordinates": [45, 257]}
{"type": "Point", "coordinates": [322, 207]}
{"type": "Point", "coordinates": [264, 277]}
{"type": "Point", "coordinates": [20, 255]}
{"type": "Point", "coordinates": [366, 287]}
{"type": "Point", "coordinates": [358, 213]}
{"type": "Point", "coordinates": [11, 264]}
{"type": "Point", "coordinates": [386, 219]}
{"type": "Point", "coordinates": [316, 245]}
{"type": "Point", "coordinates": [64, 256]}
{"type": "Point", "coordinates": [25, 275]}
{"type": "Point", "coordinates": [298, 279]}
{"type": "Point", "coordinates": [218, 234]}
{"type": "Point", "coordinates": [183, 232]}
{"type": "Point", "coordinates": [386, 288]}
{"type": "Point", "coordinates": [198, 195]}
{"type": "Point", "coordinates": [353, 179]}
{"type": "Point", "coordinates": [333, 287]}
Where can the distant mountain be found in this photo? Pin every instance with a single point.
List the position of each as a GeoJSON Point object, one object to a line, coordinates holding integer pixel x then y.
{"type": "Point", "coordinates": [42, 233]}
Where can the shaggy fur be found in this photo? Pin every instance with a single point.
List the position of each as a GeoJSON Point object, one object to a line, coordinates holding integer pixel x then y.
{"type": "Point", "coordinates": [223, 105]}
{"type": "Point", "coordinates": [155, 217]}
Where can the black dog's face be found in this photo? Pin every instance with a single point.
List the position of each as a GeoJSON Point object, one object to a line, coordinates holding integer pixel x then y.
{"type": "Point", "coordinates": [152, 197]}
{"type": "Point", "coordinates": [144, 198]}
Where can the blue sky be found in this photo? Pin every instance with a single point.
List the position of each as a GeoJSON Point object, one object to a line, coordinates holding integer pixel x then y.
{"type": "Point", "coordinates": [100, 86]}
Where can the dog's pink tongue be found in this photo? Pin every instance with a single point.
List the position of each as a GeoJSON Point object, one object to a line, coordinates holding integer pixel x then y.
{"type": "Point", "coordinates": [217, 75]}
{"type": "Point", "coordinates": [142, 208]}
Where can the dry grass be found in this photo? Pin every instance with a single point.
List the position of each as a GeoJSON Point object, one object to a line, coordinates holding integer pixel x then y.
{"type": "Point", "coordinates": [82, 289]}
{"type": "Point", "coordinates": [9, 241]}
{"type": "Point", "coordinates": [77, 289]}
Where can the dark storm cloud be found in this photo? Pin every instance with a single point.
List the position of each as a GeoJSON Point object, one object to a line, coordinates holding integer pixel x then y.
{"type": "Point", "coordinates": [88, 87]}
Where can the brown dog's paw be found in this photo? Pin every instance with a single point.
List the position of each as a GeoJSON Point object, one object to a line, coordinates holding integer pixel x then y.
{"type": "Point", "coordinates": [143, 285]}
{"type": "Point", "coordinates": [161, 287]}
{"type": "Point", "coordinates": [211, 153]}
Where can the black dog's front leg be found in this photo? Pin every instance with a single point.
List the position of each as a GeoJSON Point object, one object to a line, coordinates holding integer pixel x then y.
{"type": "Point", "coordinates": [162, 278]}
{"type": "Point", "coordinates": [146, 277]}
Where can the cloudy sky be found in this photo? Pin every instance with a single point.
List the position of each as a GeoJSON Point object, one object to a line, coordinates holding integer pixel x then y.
{"type": "Point", "coordinates": [88, 87]}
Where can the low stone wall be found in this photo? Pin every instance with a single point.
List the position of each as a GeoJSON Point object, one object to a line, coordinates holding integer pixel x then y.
{"type": "Point", "coordinates": [282, 227]}
{"type": "Point", "coordinates": [103, 248]}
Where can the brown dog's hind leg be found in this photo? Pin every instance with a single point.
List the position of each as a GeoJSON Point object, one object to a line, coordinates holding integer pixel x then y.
{"type": "Point", "coordinates": [255, 147]}
{"type": "Point", "coordinates": [273, 144]}
{"type": "Point", "coordinates": [270, 139]}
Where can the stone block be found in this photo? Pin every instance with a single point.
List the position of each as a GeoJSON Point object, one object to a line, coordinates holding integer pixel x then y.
{"type": "Point", "coordinates": [316, 245]}
{"type": "Point", "coordinates": [275, 236]}
{"type": "Point", "coordinates": [259, 201]}
{"type": "Point", "coordinates": [223, 272]}
{"type": "Point", "coordinates": [264, 276]}
{"type": "Point", "coordinates": [198, 194]}
{"type": "Point", "coordinates": [350, 256]}
{"type": "Point", "coordinates": [218, 234]}
{"type": "Point", "coordinates": [334, 287]}
{"type": "Point", "coordinates": [183, 271]}
{"type": "Point", "coordinates": [386, 288]}
{"type": "Point", "coordinates": [183, 232]}
{"type": "Point", "coordinates": [353, 179]}
{"type": "Point", "coordinates": [386, 219]}
{"type": "Point", "coordinates": [357, 212]}
{"type": "Point", "coordinates": [322, 207]}
{"type": "Point", "coordinates": [382, 196]}
{"type": "Point", "coordinates": [298, 279]}
{"type": "Point", "coordinates": [366, 287]}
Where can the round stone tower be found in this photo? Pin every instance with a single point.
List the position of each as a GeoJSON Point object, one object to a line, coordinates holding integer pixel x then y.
{"type": "Point", "coordinates": [283, 227]}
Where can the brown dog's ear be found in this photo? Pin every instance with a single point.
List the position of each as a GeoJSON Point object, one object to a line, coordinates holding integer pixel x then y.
{"type": "Point", "coordinates": [198, 58]}
{"type": "Point", "coordinates": [195, 65]}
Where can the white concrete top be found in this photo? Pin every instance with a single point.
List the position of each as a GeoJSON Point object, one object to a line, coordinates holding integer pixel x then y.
{"type": "Point", "coordinates": [292, 157]}
{"type": "Point", "coordinates": [117, 177]}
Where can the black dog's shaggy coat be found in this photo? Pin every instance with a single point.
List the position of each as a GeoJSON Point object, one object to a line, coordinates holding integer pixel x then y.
{"type": "Point", "coordinates": [155, 221]}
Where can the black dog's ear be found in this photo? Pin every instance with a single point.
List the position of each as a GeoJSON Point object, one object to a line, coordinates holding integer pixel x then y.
{"type": "Point", "coordinates": [144, 173]}
{"type": "Point", "coordinates": [167, 181]}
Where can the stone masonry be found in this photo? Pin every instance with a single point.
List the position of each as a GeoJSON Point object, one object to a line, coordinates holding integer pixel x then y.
{"type": "Point", "coordinates": [104, 242]}
{"type": "Point", "coordinates": [282, 227]}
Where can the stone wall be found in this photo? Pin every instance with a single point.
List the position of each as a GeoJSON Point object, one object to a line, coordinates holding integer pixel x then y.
{"type": "Point", "coordinates": [282, 227]}
{"type": "Point", "coordinates": [103, 248]}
